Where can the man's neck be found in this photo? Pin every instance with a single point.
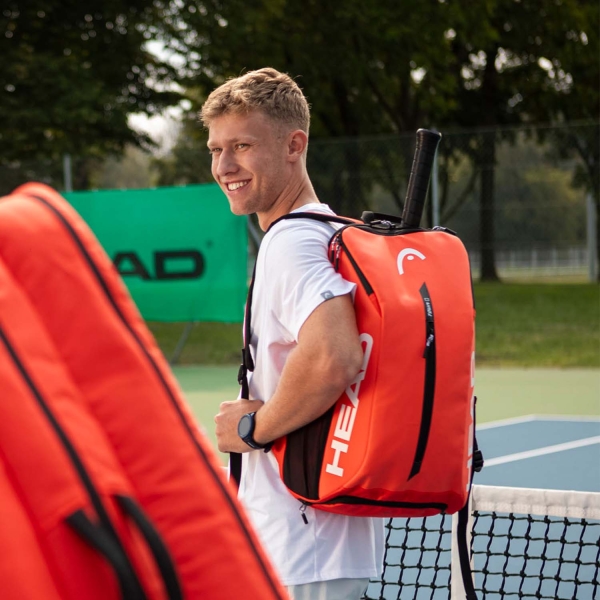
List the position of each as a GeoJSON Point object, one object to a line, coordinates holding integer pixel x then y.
{"type": "Point", "coordinates": [294, 198]}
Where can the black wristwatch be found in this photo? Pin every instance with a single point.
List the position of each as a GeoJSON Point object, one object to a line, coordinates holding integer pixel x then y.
{"type": "Point", "coordinates": [246, 427]}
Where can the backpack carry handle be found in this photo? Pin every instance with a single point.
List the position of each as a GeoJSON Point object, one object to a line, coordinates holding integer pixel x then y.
{"type": "Point", "coordinates": [418, 182]}
{"type": "Point", "coordinates": [155, 543]}
{"type": "Point", "coordinates": [368, 217]}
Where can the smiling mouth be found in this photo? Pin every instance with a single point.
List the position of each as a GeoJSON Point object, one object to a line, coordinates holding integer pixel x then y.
{"type": "Point", "coordinates": [231, 187]}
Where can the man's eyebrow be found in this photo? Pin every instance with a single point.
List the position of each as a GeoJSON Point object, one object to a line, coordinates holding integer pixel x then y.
{"type": "Point", "coordinates": [234, 140]}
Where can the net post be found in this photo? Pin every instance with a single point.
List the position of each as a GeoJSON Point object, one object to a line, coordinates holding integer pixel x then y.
{"type": "Point", "coordinates": [181, 343]}
{"type": "Point", "coordinates": [592, 242]}
{"type": "Point", "coordinates": [67, 173]}
{"type": "Point", "coordinates": [457, 588]}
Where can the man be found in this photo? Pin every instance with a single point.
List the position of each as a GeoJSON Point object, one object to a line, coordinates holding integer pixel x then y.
{"type": "Point", "coordinates": [304, 342]}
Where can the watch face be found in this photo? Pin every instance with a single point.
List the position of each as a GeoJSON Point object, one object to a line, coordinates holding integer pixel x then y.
{"type": "Point", "coordinates": [246, 425]}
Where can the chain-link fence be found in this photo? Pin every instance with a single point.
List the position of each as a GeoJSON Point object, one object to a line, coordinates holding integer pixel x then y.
{"type": "Point", "coordinates": [522, 199]}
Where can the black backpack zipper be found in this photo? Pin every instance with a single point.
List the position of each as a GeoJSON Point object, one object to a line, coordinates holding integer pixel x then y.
{"type": "Point", "coordinates": [439, 506]}
{"type": "Point", "coordinates": [429, 354]}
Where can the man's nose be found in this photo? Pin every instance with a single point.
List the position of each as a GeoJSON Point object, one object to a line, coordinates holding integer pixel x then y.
{"type": "Point", "coordinates": [226, 164]}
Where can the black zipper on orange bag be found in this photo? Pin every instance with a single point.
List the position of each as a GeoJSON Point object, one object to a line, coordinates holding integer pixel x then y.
{"type": "Point", "coordinates": [429, 354]}
{"type": "Point", "coordinates": [353, 500]}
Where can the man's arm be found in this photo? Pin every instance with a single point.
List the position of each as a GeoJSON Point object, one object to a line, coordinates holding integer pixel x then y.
{"type": "Point", "coordinates": [325, 361]}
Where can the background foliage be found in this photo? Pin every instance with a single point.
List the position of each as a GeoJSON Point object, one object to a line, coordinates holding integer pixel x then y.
{"type": "Point", "coordinates": [71, 75]}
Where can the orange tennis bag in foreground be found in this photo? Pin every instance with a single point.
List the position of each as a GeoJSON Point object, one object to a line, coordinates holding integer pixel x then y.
{"type": "Point", "coordinates": [399, 441]}
{"type": "Point", "coordinates": [108, 489]}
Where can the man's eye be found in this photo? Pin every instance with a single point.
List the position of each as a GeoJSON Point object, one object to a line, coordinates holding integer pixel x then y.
{"type": "Point", "coordinates": [214, 150]}
{"type": "Point", "coordinates": [242, 146]}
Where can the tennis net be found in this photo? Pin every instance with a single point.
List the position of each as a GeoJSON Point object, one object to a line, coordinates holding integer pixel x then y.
{"type": "Point", "coordinates": [525, 543]}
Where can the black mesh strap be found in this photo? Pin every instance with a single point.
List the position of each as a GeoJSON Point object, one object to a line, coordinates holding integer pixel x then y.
{"type": "Point", "coordinates": [235, 467]}
{"type": "Point", "coordinates": [235, 459]}
{"type": "Point", "coordinates": [247, 362]}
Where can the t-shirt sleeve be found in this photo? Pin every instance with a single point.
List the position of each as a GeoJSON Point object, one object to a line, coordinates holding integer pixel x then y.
{"type": "Point", "coordinates": [298, 274]}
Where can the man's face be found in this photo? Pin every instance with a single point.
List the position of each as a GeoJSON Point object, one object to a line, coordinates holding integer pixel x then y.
{"type": "Point", "coordinates": [249, 161]}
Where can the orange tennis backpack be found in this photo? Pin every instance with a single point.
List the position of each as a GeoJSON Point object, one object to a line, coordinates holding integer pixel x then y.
{"type": "Point", "coordinates": [108, 488]}
{"type": "Point", "coordinates": [400, 440]}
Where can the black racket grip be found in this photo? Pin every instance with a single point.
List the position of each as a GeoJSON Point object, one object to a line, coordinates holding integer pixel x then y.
{"type": "Point", "coordinates": [418, 182]}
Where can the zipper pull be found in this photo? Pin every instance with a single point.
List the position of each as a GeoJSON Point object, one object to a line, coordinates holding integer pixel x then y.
{"type": "Point", "coordinates": [428, 345]}
{"type": "Point", "coordinates": [338, 250]}
{"type": "Point", "coordinates": [303, 506]}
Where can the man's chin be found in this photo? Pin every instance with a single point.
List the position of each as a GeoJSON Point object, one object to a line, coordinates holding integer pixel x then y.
{"type": "Point", "coordinates": [239, 209]}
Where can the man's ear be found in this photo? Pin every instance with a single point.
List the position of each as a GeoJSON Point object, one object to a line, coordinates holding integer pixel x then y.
{"type": "Point", "coordinates": [297, 143]}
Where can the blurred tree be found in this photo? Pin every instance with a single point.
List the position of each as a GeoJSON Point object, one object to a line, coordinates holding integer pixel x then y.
{"type": "Point", "coordinates": [188, 161]}
{"type": "Point", "coordinates": [536, 64]}
{"type": "Point", "coordinates": [131, 170]}
{"type": "Point", "coordinates": [71, 73]}
{"type": "Point", "coordinates": [536, 203]}
{"type": "Point", "coordinates": [578, 73]}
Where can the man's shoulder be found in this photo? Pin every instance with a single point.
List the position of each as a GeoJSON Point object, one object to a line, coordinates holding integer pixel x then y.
{"type": "Point", "coordinates": [294, 247]}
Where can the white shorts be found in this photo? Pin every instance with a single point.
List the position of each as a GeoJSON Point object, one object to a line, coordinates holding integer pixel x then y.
{"type": "Point", "coordinates": [335, 589]}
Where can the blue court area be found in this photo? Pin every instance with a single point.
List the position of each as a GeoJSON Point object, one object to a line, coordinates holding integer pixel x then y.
{"type": "Point", "coordinates": [517, 555]}
{"type": "Point", "coordinates": [558, 453]}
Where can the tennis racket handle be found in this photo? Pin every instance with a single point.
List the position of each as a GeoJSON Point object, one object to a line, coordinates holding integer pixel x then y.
{"type": "Point", "coordinates": [418, 182]}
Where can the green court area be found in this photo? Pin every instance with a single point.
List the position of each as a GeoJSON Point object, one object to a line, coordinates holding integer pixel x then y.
{"type": "Point", "coordinates": [502, 392]}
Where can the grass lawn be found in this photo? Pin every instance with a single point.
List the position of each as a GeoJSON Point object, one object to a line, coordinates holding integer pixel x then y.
{"type": "Point", "coordinates": [518, 325]}
{"type": "Point", "coordinates": [541, 325]}
{"type": "Point", "coordinates": [207, 344]}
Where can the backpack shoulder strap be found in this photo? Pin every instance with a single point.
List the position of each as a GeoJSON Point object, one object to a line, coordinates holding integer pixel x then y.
{"type": "Point", "coordinates": [315, 217]}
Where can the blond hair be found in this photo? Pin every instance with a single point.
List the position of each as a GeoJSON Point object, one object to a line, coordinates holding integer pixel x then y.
{"type": "Point", "coordinates": [275, 94]}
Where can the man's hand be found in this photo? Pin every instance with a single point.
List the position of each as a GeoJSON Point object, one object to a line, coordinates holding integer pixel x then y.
{"type": "Point", "coordinates": [227, 421]}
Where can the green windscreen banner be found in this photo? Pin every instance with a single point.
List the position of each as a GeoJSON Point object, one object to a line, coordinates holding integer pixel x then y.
{"type": "Point", "coordinates": [180, 251]}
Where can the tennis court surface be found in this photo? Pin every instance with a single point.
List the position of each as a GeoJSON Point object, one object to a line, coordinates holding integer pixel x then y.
{"type": "Point", "coordinates": [535, 517]}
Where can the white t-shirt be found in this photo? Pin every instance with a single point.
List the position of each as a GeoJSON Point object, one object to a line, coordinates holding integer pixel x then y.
{"type": "Point", "coordinates": [293, 277]}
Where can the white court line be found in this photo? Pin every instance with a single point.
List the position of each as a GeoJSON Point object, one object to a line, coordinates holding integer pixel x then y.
{"type": "Point", "coordinates": [504, 422]}
{"type": "Point", "coordinates": [571, 418]}
{"type": "Point", "coordinates": [500, 460]}
{"type": "Point", "coordinates": [529, 418]}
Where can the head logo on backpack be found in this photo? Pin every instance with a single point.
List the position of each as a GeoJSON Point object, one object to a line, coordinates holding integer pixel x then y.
{"type": "Point", "coordinates": [408, 254]}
